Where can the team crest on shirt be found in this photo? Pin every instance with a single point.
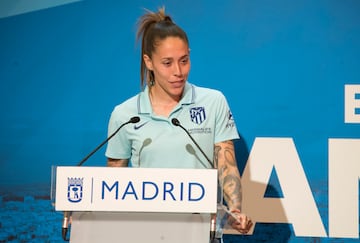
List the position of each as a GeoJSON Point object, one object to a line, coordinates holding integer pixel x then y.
{"type": "Point", "coordinates": [197, 114]}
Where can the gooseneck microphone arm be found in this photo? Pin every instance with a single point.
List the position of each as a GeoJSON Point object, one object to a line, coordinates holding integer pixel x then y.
{"type": "Point", "coordinates": [134, 119]}
{"type": "Point", "coordinates": [176, 122]}
{"type": "Point", "coordinates": [67, 214]}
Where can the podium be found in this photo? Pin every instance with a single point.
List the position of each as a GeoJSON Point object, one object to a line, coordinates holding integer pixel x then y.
{"type": "Point", "coordinates": [137, 204]}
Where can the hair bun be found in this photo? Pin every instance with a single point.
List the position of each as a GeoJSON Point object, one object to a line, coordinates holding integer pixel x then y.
{"type": "Point", "coordinates": [167, 18]}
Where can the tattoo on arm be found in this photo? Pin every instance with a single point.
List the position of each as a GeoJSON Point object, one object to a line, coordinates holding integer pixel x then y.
{"type": "Point", "coordinates": [224, 157]}
{"type": "Point", "coordinates": [216, 157]}
{"type": "Point", "coordinates": [233, 191]}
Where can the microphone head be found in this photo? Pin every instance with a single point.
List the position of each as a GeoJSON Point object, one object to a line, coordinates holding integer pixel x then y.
{"type": "Point", "coordinates": [190, 149]}
{"type": "Point", "coordinates": [147, 142]}
{"type": "Point", "coordinates": [175, 122]}
{"type": "Point", "coordinates": [135, 119]}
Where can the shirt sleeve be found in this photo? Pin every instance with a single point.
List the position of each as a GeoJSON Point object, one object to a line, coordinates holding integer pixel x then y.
{"type": "Point", "coordinates": [225, 127]}
{"type": "Point", "coordinates": [118, 146]}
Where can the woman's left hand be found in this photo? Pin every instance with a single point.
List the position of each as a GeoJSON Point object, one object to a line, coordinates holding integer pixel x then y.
{"type": "Point", "coordinates": [242, 223]}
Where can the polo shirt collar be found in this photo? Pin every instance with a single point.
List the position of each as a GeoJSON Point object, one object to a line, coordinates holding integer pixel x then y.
{"type": "Point", "coordinates": [144, 105]}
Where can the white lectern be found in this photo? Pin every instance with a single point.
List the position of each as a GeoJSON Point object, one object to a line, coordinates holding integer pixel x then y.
{"type": "Point", "coordinates": [137, 204]}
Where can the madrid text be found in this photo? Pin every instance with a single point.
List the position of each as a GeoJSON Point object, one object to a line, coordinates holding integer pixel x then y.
{"type": "Point", "coordinates": [150, 190]}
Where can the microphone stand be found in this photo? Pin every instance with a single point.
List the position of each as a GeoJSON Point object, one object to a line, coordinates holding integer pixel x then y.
{"type": "Point", "coordinates": [67, 214]}
{"type": "Point", "coordinates": [176, 122]}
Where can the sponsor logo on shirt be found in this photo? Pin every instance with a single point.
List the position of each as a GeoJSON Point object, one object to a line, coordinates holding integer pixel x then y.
{"type": "Point", "coordinates": [230, 122]}
{"type": "Point", "coordinates": [136, 127]}
{"type": "Point", "coordinates": [200, 130]}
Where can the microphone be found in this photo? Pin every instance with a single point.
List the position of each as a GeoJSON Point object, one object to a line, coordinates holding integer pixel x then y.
{"type": "Point", "coordinates": [176, 122]}
{"type": "Point", "coordinates": [67, 215]}
{"type": "Point", "coordinates": [190, 149]}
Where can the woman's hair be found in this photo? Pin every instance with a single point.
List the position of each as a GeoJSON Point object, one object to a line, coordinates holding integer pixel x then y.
{"type": "Point", "coordinates": [152, 28]}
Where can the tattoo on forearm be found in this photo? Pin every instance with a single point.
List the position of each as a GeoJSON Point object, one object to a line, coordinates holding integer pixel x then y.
{"type": "Point", "coordinates": [224, 156]}
{"type": "Point", "coordinates": [233, 191]}
{"type": "Point", "coordinates": [229, 157]}
{"type": "Point", "coordinates": [216, 156]}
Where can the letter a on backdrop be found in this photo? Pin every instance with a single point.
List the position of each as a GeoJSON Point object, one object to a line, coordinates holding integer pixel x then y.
{"type": "Point", "coordinates": [297, 207]}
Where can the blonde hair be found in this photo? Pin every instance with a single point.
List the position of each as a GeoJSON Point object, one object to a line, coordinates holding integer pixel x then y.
{"type": "Point", "coordinates": [152, 28]}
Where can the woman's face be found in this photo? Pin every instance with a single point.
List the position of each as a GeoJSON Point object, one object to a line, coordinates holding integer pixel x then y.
{"type": "Point", "coordinates": [170, 63]}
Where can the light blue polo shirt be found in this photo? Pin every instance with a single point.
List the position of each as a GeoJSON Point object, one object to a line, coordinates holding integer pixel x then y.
{"type": "Point", "coordinates": [155, 142]}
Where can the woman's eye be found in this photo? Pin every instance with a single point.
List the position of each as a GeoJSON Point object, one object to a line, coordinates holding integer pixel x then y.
{"type": "Point", "coordinates": [184, 61]}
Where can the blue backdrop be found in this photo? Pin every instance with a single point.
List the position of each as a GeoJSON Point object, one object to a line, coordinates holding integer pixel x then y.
{"type": "Point", "coordinates": [283, 66]}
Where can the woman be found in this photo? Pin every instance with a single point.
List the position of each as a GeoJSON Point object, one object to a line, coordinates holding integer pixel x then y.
{"type": "Point", "coordinates": [168, 101]}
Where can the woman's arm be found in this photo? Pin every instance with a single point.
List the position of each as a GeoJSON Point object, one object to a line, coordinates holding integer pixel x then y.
{"type": "Point", "coordinates": [229, 176]}
{"type": "Point", "coordinates": [117, 162]}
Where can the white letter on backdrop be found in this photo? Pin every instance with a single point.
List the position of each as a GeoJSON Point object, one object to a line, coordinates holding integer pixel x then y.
{"type": "Point", "coordinates": [297, 205]}
{"type": "Point", "coordinates": [351, 103]}
{"type": "Point", "coordinates": [344, 174]}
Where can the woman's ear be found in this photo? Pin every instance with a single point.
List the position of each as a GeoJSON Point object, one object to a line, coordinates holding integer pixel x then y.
{"type": "Point", "coordinates": [148, 62]}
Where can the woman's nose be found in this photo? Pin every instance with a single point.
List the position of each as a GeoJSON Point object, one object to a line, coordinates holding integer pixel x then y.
{"type": "Point", "coordinates": [177, 70]}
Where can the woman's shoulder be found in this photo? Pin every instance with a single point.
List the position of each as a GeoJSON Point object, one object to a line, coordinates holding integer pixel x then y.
{"type": "Point", "coordinates": [128, 106]}
{"type": "Point", "coordinates": [201, 91]}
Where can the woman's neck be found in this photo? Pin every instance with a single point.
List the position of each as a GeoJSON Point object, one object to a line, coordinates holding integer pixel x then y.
{"type": "Point", "coordinates": [162, 105]}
